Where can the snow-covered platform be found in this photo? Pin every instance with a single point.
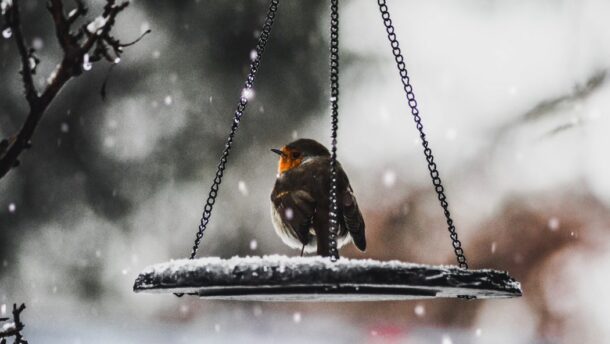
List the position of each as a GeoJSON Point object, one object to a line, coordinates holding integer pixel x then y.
{"type": "Point", "coordinates": [281, 278]}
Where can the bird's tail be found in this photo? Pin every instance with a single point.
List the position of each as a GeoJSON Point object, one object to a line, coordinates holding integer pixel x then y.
{"type": "Point", "coordinates": [354, 221]}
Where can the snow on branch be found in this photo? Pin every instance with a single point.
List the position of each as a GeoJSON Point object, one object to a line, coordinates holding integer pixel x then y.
{"type": "Point", "coordinates": [13, 328]}
{"type": "Point", "coordinates": [81, 46]}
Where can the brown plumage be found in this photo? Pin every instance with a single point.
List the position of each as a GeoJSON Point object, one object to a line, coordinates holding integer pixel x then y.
{"type": "Point", "coordinates": [300, 200]}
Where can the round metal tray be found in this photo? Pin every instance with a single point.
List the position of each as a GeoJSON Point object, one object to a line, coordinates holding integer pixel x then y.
{"type": "Point", "coordinates": [281, 278]}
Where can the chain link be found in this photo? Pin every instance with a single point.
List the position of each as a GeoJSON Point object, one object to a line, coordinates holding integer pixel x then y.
{"type": "Point", "coordinates": [239, 112]}
{"type": "Point", "coordinates": [334, 104]}
{"type": "Point", "coordinates": [434, 174]}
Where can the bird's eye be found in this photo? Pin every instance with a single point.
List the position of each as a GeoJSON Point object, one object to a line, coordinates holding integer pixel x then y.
{"type": "Point", "coordinates": [296, 155]}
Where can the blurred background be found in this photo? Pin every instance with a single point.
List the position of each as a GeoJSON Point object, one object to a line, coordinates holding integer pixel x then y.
{"type": "Point", "coordinates": [514, 96]}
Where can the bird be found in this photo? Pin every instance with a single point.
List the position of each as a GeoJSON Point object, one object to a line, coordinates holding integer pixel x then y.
{"type": "Point", "coordinates": [300, 200]}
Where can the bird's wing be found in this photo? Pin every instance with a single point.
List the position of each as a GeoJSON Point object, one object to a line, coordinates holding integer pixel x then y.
{"type": "Point", "coordinates": [296, 208]}
{"type": "Point", "coordinates": [352, 217]}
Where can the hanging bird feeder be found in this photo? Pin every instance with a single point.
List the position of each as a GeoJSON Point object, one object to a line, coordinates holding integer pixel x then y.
{"type": "Point", "coordinates": [281, 278]}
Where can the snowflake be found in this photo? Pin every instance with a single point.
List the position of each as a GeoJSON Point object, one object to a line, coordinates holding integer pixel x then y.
{"type": "Point", "coordinates": [242, 187]}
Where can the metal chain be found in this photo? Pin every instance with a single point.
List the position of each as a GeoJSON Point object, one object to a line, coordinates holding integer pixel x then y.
{"type": "Point", "coordinates": [434, 174]}
{"type": "Point", "coordinates": [239, 112]}
{"type": "Point", "coordinates": [334, 104]}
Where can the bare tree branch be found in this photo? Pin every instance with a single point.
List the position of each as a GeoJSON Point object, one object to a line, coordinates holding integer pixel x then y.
{"type": "Point", "coordinates": [89, 43]}
{"type": "Point", "coordinates": [79, 11]}
{"type": "Point", "coordinates": [13, 21]}
{"type": "Point", "coordinates": [62, 27]}
{"type": "Point", "coordinates": [15, 327]}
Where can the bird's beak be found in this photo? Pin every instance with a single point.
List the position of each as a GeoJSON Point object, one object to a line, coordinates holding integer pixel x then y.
{"type": "Point", "coordinates": [278, 152]}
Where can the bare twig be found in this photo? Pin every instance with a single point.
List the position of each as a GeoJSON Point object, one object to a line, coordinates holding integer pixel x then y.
{"type": "Point", "coordinates": [79, 11]}
{"type": "Point", "coordinates": [13, 20]}
{"type": "Point", "coordinates": [14, 329]}
{"type": "Point", "coordinates": [62, 27]}
{"type": "Point", "coordinates": [89, 43]}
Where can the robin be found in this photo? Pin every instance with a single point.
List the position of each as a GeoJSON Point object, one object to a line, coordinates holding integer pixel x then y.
{"type": "Point", "coordinates": [300, 200]}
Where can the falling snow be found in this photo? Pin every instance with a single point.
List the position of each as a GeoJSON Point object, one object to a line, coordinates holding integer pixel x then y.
{"type": "Point", "coordinates": [296, 317]}
{"type": "Point", "coordinates": [37, 43]}
{"type": "Point", "coordinates": [553, 224]}
{"type": "Point", "coordinates": [3, 309]}
{"type": "Point", "coordinates": [253, 55]}
{"type": "Point", "coordinates": [389, 178]}
{"type": "Point", "coordinates": [446, 340]}
{"type": "Point", "coordinates": [419, 310]}
{"type": "Point", "coordinates": [289, 213]}
{"type": "Point", "coordinates": [109, 141]}
{"type": "Point", "coordinates": [12, 207]}
{"type": "Point", "coordinates": [253, 244]}
{"type": "Point", "coordinates": [217, 328]}
{"type": "Point", "coordinates": [242, 187]}
{"type": "Point", "coordinates": [168, 100]}
{"type": "Point", "coordinates": [65, 127]}
{"type": "Point", "coordinates": [478, 332]}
